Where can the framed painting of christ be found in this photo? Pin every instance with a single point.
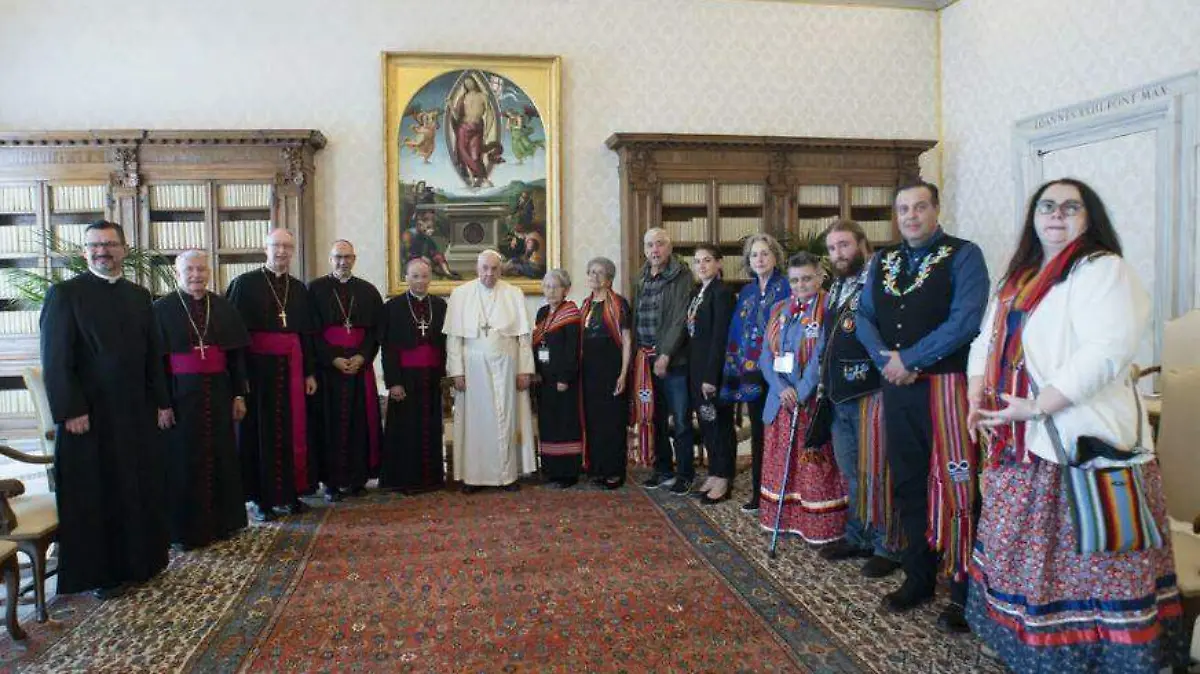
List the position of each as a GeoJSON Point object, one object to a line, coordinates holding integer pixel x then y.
{"type": "Point", "coordinates": [472, 146]}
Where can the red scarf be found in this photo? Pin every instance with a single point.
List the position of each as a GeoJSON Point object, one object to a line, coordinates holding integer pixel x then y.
{"type": "Point", "coordinates": [611, 316]}
{"type": "Point", "coordinates": [1006, 371]}
{"type": "Point", "coordinates": [566, 314]}
{"type": "Point", "coordinates": [791, 309]}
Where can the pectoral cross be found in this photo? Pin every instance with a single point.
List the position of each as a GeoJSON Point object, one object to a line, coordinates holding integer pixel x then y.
{"type": "Point", "coordinates": [346, 324]}
{"type": "Point", "coordinates": [423, 326]}
{"type": "Point", "coordinates": [283, 318]}
{"type": "Point", "coordinates": [200, 349]}
{"type": "Point", "coordinates": [486, 329]}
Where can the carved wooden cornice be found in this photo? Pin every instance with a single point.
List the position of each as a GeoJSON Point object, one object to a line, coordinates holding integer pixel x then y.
{"type": "Point", "coordinates": [69, 138]}
{"type": "Point", "coordinates": [263, 137]}
{"type": "Point", "coordinates": [672, 141]}
{"type": "Point", "coordinates": [276, 137]}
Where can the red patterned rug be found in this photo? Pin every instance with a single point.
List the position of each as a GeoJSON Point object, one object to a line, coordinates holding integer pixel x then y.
{"type": "Point", "coordinates": [541, 580]}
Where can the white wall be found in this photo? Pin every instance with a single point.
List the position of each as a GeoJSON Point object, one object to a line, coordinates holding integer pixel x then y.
{"type": "Point", "coordinates": [1004, 60]}
{"type": "Point", "coordinates": [628, 65]}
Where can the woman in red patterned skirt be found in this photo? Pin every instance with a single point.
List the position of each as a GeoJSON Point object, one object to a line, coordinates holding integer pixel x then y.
{"type": "Point", "coordinates": [814, 493]}
{"type": "Point", "coordinates": [1049, 375]}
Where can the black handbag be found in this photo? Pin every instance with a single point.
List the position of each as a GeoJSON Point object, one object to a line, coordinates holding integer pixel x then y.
{"type": "Point", "coordinates": [820, 424]}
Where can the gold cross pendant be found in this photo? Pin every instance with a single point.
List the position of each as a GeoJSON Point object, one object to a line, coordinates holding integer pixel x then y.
{"type": "Point", "coordinates": [283, 319]}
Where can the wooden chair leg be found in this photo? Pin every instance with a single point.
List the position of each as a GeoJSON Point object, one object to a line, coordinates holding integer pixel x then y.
{"type": "Point", "coordinates": [11, 597]}
{"type": "Point", "coordinates": [36, 550]}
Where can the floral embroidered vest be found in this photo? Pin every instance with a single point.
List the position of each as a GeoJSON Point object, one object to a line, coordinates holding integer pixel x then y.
{"type": "Point", "coordinates": [910, 306]}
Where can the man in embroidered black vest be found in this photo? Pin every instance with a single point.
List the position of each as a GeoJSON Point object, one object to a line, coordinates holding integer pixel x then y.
{"type": "Point", "coordinates": [851, 382]}
{"type": "Point", "coordinates": [921, 306]}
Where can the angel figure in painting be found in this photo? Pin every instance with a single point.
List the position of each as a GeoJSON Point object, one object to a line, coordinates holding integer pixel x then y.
{"type": "Point", "coordinates": [517, 122]}
{"type": "Point", "coordinates": [424, 139]}
{"type": "Point", "coordinates": [473, 129]}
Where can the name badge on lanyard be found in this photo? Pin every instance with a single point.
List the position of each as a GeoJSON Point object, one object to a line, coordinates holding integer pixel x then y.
{"type": "Point", "coordinates": [785, 362]}
{"type": "Point", "coordinates": [543, 354]}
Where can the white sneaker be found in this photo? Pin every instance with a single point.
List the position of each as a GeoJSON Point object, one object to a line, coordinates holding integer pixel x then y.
{"type": "Point", "coordinates": [667, 484]}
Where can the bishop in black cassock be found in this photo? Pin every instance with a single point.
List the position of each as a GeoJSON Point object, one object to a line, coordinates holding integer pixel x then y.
{"type": "Point", "coordinates": [205, 341]}
{"type": "Point", "coordinates": [347, 312]}
{"type": "Point", "coordinates": [414, 363]}
{"type": "Point", "coordinates": [278, 463]}
{"type": "Point", "coordinates": [103, 368]}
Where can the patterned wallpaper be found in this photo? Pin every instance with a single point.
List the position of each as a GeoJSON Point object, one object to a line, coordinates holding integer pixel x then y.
{"type": "Point", "coordinates": [628, 65]}
{"type": "Point", "coordinates": [1005, 60]}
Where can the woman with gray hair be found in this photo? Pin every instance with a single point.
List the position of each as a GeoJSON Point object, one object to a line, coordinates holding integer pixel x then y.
{"type": "Point", "coordinates": [556, 359]}
{"type": "Point", "coordinates": [605, 353]}
{"type": "Point", "coordinates": [742, 381]}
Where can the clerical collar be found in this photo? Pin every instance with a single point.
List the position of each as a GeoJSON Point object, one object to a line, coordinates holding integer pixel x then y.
{"type": "Point", "coordinates": [341, 280]}
{"type": "Point", "coordinates": [110, 279]}
{"type": "Point", "coordinates": [419, 298]}
{"type": "Point", "coordinates": [276, 274]}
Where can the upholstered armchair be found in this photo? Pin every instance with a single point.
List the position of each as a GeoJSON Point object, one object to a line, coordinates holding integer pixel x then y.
{"type": "Point", "coordinates": [32, 519]}
{"type": "Point", "coordinates": [30, 522]}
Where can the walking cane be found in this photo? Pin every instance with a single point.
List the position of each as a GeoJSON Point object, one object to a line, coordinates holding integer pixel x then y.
{"type": "Point", "coordinates": [787, 468]}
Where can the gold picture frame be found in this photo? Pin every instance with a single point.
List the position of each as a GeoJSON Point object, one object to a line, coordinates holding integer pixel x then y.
{"type": "Point", "coordinates": [473, 160]}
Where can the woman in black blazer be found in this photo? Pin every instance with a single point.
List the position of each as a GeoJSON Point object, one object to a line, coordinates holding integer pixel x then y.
{"type": "Point", "coordinates": [708, 316]}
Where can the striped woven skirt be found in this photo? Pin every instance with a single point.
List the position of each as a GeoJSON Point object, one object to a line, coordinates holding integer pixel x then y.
{"type": "Point", "coordinates": [814, 497]}
{"type": "Point", "coordinates": [1043, 607]}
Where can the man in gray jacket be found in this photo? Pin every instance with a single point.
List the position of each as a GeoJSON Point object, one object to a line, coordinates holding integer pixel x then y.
{"type": "Point", "coordinates": [660, 303]}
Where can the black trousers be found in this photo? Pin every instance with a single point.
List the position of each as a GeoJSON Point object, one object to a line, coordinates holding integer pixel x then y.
{"type": "Point", "coordinates": [909, 430]}
{"type": "Point", "coordinates": [757, 429]}
{"type": "Point", "coordinates": [718, 436]}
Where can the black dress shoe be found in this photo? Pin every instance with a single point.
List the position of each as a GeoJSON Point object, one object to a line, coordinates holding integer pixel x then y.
{"type": "Point", "coordinates": [654, 481]}
{"type": "Point", "coordinates": [613, 482]}
{"type": "Point", "coordinates": [953, 620]}
{"type": "Point", "coordinates": [908, 597]}
{"type": "Point", "coordinates": [470, 488]}
{"type": "Point", "coordinates": [682, 486]}
{"type": "Point", "coordinates": [705, 499]}
{"type": "Point", "coordinates": [358, 492]}
{"type": "Point", "coordinates": [750, 506]}
{"type": "Point", "coordinates": [879, 567]}
{"type": "Point", "coordinates": [106, 593]}
{"type": "Point", "coordinates": [332, 495]}
{"type": "Point", "coordinates": [260, 514]}
{"type": "Point", "coordinates": [514, 486]}
{"type": "Point", "coordinates": [843, 549]}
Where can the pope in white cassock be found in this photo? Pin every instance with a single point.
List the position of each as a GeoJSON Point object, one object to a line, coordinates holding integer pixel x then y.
{"type": "Point", "coordinates": [488, 355]}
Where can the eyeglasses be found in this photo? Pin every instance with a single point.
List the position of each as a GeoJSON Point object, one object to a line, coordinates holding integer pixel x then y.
{"type": "Point", "coordinates": [1067, 209]}
{"type": "Point", "coordinates": [103, 245]}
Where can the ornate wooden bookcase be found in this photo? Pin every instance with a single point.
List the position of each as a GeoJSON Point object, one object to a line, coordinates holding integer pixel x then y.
{"type": "Point", "coordinates": [721, 189]}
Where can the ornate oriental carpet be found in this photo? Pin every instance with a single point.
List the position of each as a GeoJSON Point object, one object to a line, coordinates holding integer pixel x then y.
{"type": "Point", "coordinates": [542, 580]}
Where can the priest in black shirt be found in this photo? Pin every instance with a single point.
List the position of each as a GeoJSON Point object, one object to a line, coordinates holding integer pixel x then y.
{"type": "Point", "coordinates": [414, 363]}
{"type": "Point", "coordinates": [104, 380]}
{"type": "Point", "coordinates": [205, 342]}
{"type": "Point", "coordinates": [275, 446]}
{"type": "Point", "coordinates": [347, 311]}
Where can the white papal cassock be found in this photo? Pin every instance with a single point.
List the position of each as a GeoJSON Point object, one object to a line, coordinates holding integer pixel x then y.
{"type": "Point", "coordinates": [488, 342]}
